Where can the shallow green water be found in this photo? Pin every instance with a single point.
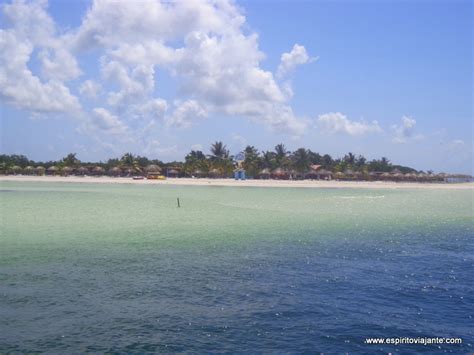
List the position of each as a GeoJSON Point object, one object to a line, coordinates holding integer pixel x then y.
{"type": "Point", "coordinates": [121, 267]}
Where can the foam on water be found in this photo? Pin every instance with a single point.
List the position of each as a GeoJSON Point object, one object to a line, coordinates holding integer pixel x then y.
{"type": "Point", "coordinates": [121, 268]}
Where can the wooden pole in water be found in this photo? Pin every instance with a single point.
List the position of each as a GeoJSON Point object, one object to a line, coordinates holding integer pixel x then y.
{"type": "Point", "coordinates": [177, 199]}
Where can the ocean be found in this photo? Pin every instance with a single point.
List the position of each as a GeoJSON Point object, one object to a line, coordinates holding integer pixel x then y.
{"type": "Point", "coordinates": [120, 268]}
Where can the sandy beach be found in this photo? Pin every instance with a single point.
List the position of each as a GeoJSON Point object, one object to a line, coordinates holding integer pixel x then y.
{"type": "Point", "coordinates": [244, 183]}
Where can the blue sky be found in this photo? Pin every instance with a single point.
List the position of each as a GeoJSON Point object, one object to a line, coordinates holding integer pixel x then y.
{"type": "Point", "coordinates": [379, 78]}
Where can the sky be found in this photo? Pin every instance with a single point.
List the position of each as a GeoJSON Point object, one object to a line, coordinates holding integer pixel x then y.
{"type": "Point", "coordinates": [160, 78]}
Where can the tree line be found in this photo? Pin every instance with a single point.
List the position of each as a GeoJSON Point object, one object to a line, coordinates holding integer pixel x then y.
{"type": "Point", "coordinates": [219, 161]}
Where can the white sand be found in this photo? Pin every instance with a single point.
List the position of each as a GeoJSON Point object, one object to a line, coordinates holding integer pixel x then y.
{"type": "Point", "coordinates": [248, 183]}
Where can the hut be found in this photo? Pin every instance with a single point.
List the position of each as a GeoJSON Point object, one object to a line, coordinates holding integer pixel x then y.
{"type": "Point", "coordinates": [316, 173]}
{"type": "Point", "coordinates": [280, 174]}
{"type": "Point", "coordinates": [29, 170]}
{"type": "Point", "coordinates": [396, 176]}
{"type": "Point", "coordinates": [128, 171]}
{"type": "Point", "coordinates": [264, 174]}
{"type": "Point", "coordinates": [198, 173]}
{"type": "Point", "coordinates": [82, 171]}
{"type": "Point", "coordinates": [409, 177]}
{"type": "Point", "coordinates": [15, 169]}
{"type": "Point", "coordinates": [349, 174]}
{"type": "Point", "coordinates": [39, 170]}
{"type": "Point", "coordinates": [67, 170]}
{"type": "Point", "coordinates": [215, 173]}
{"type": "Point", "coordinates": [153, 171]}
{"type": "Point", "coordinates": [422, 177]}
{"type": "Point", "coordinates": [239, 174]}
{"type": "Point", "coordinates": [52, 170]}
{"type": "Point", "coordinates": [324, 174]}
{"type": "Point", "coordinates": [115, 171]}
{"type": "Point", "coordinates": [385, 176]}
{"type": "Point", "coordinates": [98, 170]}
{"type": "Point", "coordinates": [339, 175]}
{"type": "Point", "coordinates": [172, 173]}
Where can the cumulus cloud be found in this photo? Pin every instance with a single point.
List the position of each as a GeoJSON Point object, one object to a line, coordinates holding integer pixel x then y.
{"type": "Point", "coordinates": [90, 89]}
{"type": "Point", "coordinates": [106, 122]}
{"type": "Point", "coordinates": [205, 46]}
{"type": "Point", "coordinates": [185, 113]}
{"type": "Point", "coordinates": [217, 67]}
{"type": "Point", "coordinates": [30, 28]}
{"type": "Point", "coordinates": [336, 122]}
{"type": "Point", "coordinates": [405, 130]}
{"type": "Point", "coordinates": [289, 61]}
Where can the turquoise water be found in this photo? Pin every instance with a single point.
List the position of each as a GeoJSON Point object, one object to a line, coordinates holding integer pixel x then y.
{"type": "Point", "coordinates": [87, 267]}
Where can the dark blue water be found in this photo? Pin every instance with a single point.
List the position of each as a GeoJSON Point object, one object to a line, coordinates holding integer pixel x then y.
{"type": "Point", "coordinates": [308, 290]}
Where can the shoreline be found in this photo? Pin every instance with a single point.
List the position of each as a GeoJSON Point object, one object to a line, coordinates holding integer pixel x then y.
{"type": "Point", "coordinates": [244, 183]}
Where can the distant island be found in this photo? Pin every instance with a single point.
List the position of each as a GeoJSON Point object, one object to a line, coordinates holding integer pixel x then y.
{"type": "Point", "coordinates": [280, 164]}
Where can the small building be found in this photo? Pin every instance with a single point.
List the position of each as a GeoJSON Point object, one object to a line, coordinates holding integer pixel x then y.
{"type": "Point", "coordinates": [172, 172]}
{"type": "Point", "coordinates": [264, 174]}
{"type": "Point", "coordinates": [239, 174]}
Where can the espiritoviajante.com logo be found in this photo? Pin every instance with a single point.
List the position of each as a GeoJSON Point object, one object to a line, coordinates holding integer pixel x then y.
{"type": "Point", "coordinates": [412, 341]}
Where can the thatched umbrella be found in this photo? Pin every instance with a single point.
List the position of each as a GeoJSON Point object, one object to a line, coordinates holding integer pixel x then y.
{"type": "Point", "coordinates": [127, 171]}
{"type": "Point", "coordinates": [172, 173]}
{"type": "Point", "coordinates": [115, 171]}
{"type": "Point", "coordinates": [339, 175]}
{"type": "Point", "coordinates": [52, 170]}
{"type": "Point", "coordinates": [373, 175]}
{"type": "Point", "coordinates": [198, 173]}
{"type": "Point", "coordinates": [15, 169]}
{"type": "Point", "coordinates": [349, 173]}
{"type": "Point", "coordinates": [396, 176]}
{"type": "Point", "coordinates": [215, 173]}
{"type": "Point", "coordinates": [325, 174]}
{"type": "Point", "coordinates": [67, 170]}
{"type": "Point", "coordinates": [422, 177]}
{"type": "Point", "coordinates": [153, 168]}
{"type": "Point", "coordinates": [98, 170]}
{"type": "Point", "coordinates": [358, 175]}
{"type": "Point", "coordinates": [385, 176]}
{"type": "Point", "coordinates": [264, 174]}
{"type": "Point", "coordinates": [39, 170]}
{"type": "Point", "coordinates": [280, 173]}
{"type": "Point", "coordinates": [29, 170]}
{"type": "Point", "coordinates": [82, 171]}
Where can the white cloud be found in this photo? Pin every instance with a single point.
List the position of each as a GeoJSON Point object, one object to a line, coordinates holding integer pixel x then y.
{"type": "Point", "coordinates": [217, 67]}
{"type": "Point", "coordinates": [58, 64]}
{"type": "Point", "coordinates": [185, 112]}
{"type": "Point", "coordinates": [197, 147]}
{"type": "Point", "coordinates": [405, 131]}
{"type": "Point", "coordinates": [90, 89]}
{"type": "Point", "coordinates": [30, 28]}
{"type": "Point", "coordinates": [336, 122]}
{"type": "Point", "coordinates": [204, 45]}
{"type": "Point", "coordinates": [289, 61]}
{"type": "Point", "coordinates": [105, 122]}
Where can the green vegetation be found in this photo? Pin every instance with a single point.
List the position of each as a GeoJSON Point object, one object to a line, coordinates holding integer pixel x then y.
{"type": "Point", "coordinates": [219, 163]}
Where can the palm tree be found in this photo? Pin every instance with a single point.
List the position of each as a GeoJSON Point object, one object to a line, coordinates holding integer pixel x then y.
{"type": "Point", "coordinates": [349, 158]}
{"type": "Point", "coordinates": [129, 161]}
{"type": "Point", "coordinates": [195, 161]}
{"type": "Point", "coordinates": [252, 160]}
{"type": "Point", "coordinates": [268, 160]}
{"type": "Point", "coordinates": [301, 160]}
{"type": "Point", "coordinates": [219, 151]}
{"type": "Point", "coordinates": [281, 155]}
{"type": "Point", "coordinates": [71, 160]}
